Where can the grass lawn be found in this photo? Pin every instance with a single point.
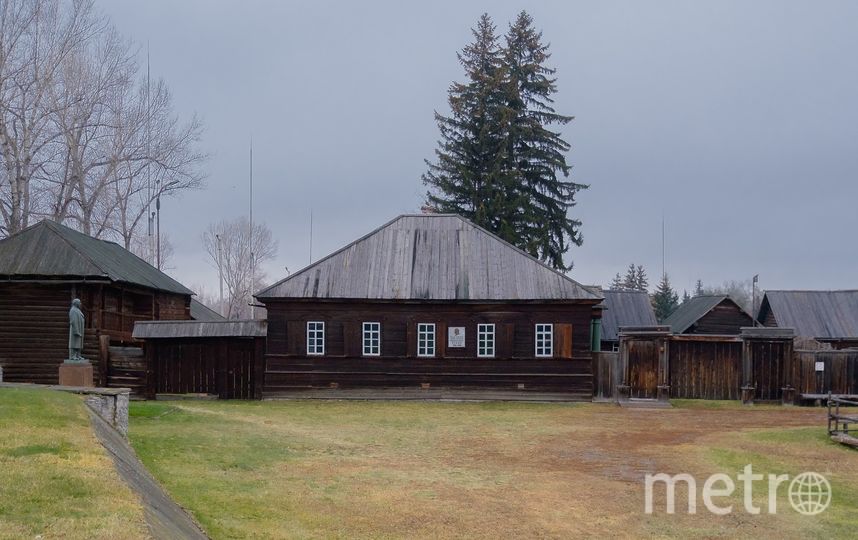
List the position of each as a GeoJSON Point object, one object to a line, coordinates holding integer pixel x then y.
{"type": "Point", "coordinates": [299, 469]}
{"type": "Point", "coordinates": [56, 480]}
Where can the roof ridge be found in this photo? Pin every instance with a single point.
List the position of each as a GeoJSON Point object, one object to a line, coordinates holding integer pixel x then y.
{"type": "Point", "coordinates": [526, 254]}
{"type": "Point", "coordinates": [59, 230]}
{"type": "Point", "coordinates": [329, 256]}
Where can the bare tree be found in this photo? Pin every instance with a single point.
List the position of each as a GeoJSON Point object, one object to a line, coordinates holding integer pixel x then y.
{"type": "Point", "coordinates": [236, 262]}
{"type": "Point", "coordinates": [36, 37]}
{"type": "Point", "coordinates": [740, 291]}
{"type": "Point", "coordinates": [84, 138]}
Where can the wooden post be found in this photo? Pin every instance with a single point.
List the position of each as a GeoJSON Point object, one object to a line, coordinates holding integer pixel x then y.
{"type": "Point", "coordinates": [103, 360]}
{"type": "Point", "coordinates": [747, 372]}
{"type": "Point", "coordinates": [623, 391]}
{"type": "Point", "coordinates": [788, 393]}
{"type": "Point", "coordinates": [150, 349]}
{"type": "Point", "coordinates": [664, 370]}
{"type": "Point", "coordinates": [258, 367]}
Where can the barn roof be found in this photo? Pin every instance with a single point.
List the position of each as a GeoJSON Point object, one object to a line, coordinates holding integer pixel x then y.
{"type": "Point", "coordinates": [199, 329]}
{"type": "Point", "coordinates": [817, 314]}
{"type": "Point", "coordinates": [51, 251]}
{"type": "Point", "coordinates": [691, 311]}
{"type": "Point", "coordinates": [201, 312]}
{"type": "Point", "coordinates": [625, 308]}
{"type": "Point", "coordinates": [429, 257]}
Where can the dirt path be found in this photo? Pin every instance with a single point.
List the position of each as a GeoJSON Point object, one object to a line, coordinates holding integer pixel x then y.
{"type": "Point", "coordinates": [165, 518]}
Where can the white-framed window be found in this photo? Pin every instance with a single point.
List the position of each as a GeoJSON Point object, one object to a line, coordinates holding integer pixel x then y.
{"type": "Point", "coordinates": [425, 339]}
{"type": "Point", "coordinates": [315, 338]}
{"type": "Point", "coordinates": [372, 339]}
{"type": "Point", "coordinates": [544, 340]}
{"type": "Point", "coordinates": [486, 340]}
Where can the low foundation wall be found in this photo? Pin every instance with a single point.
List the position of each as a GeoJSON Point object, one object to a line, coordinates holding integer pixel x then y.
{"type": "Point", "coordinates": [111, 404]}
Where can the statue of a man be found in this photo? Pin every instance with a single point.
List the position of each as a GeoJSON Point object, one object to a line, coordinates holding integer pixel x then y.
{"type": "Point", "coordinates": [76, 328]}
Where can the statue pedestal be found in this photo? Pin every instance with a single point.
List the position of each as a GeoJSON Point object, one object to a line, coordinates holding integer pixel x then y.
{"type": "Point", "coordinates": [72, 374]}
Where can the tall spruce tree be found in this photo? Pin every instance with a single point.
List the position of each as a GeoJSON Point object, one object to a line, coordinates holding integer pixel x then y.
{"type": "Point", "coordinates": [535, 154]}
{"type": "Point", "coordinates": [665, 300]}
{"type": "Point", "coordinates": [498, 163]}
{"type": "Point", "coordinates": [468, 176]}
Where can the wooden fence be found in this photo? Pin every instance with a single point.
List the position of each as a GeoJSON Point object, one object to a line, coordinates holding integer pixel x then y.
{"type": "Point", "coordinates": [228, 367]}
{"type": "Point", "coordinates": [654, 364]}
{"type": "Point", "coordinates": [817, 373]}
{"type": "Point", "coordinates": [706, 368]}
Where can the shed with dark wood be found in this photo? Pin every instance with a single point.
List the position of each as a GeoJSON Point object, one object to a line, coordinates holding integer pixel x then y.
{"type": "Point", "coordinates": [826, 316]}
{"type": "Point", "coordinates": [429, 301]}
{"type": "Point", "coordinates": [44, 267]}
{"type": "Point", "coordinates": [222, 358]}
{"type": "Point", "coordinates": [709, 314]}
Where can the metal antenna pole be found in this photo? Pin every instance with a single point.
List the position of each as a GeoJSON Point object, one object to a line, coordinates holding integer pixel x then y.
{"type": "Point", "coordinates": [252, 259]}
{"type": "Point", "coordinates": [311, 236]}
{"type": "Point", "coordinates": [220, 276]}
{"type": "Point", "coordinates": [663, 271]}
{"type": "Point", "coordinates": [149, 189]}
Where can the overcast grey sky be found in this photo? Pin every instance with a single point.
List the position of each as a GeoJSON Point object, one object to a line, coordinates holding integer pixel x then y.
{"type": "Point", "coordinates": [737, 120]}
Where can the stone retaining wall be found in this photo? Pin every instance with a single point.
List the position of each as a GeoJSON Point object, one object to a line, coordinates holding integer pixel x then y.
{"type": "Point", "coordinates": [111, 404]}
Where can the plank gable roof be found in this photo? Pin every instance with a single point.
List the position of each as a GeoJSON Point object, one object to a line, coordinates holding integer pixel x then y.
{"type": "Point", "coordinates": [625, 308]}
{"type": "Point", "coordinates": [814, 314]}
{"type": "Point", "coordinates": [50, 251]}
{"type": "Point", "coordinates": [429, 257]}
{"type": "Point", "coordinates": [691, 311]}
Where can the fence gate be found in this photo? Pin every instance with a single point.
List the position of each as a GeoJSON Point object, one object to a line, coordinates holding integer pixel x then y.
{"type": "Point", "coordinates": [643, 368]}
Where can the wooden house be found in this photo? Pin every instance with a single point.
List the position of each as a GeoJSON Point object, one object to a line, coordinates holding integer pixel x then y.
{"type": "Point", "coordinates": [709, 314]}
{"type": "Point", "coordinates": [624, 308]}
{"type": "Point", "coordinates": [826, 316]}
{"type": "Point", "coordinates": [429, 301]}
{"type": "Point", "coordinates": [44, 267]}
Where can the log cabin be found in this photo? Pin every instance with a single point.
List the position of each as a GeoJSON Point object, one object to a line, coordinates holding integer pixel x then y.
{"type": "Point", "coordinates": [709, 314]}
{"type": "Point", "coordinates": [825, 316]}
{"type": "Point", "coordinates": [425, 302]}
{"type": "Point", "coordinates": [45, 266]}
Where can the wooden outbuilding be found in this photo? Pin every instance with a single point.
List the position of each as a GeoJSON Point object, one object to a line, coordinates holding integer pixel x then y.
{"type": "Point", "coordinates": [44, 267]}
{"type": "Point", "coordinates": [709, 314]}
{"type": "Point", "coordinates": [826, 316]}
{"type": "Point", "coordinates": [429, 301]}
{"type": "Point", "coordinates": [221, 357]}
{"type": "Point", "coordinates": [624, 308]}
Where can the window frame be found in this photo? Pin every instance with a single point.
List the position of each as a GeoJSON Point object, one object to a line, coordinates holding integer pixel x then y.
{"type": "Point", "coordinates": [315, 331]}
{"type": "Point", "coordinates": [547, 329]}
{"type": "Point", "coordinates": [482, 331]}
{"type": "Point", "coordinates": [434, 333]}
{"type": "Point", "coordinates": [369, 332]}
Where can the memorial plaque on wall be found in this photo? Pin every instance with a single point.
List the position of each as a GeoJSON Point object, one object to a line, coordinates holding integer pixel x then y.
{"type": "Point", "coordinates": [456, 337]}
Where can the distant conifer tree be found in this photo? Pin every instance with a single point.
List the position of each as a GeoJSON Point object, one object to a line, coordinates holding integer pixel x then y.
{"type": "Point", "coordinates": [665, 300]}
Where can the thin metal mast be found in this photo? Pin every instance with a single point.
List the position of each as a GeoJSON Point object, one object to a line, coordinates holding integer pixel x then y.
{"type": "Point", "coordinates": [663, 271]}
{"type": "Point", "coordinates": [252, 258]}
{"type": "Point", "coordinates": [149, 189]}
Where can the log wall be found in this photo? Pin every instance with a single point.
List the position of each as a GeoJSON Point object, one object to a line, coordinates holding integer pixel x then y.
{"type": "Point", "coordinates": [515, 367]}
